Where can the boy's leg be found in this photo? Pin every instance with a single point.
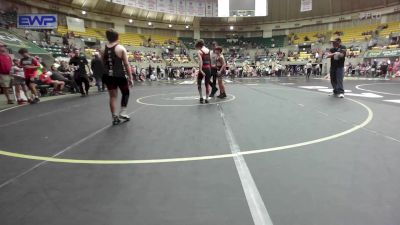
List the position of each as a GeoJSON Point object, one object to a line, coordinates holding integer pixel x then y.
{"type": "Point", "coordinates": [18, 92]}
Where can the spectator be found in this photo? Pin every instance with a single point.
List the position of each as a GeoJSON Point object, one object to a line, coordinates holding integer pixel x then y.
{"type": "Point", "coordinates": [98, 71]}
{"type": "Point", "coordinates": [45, 77]}
{"type": "Point", "coordinates": [65, 70]}
{"type": "Point", "coordinates": [396, 66]}
{"type": "Point", "coordinates": [158, 71]}
{"type": "Point", "coordinates": [57, 75]}
{"type": "Point", "coordinates": [19, 81]}
{"type": "Point", "coordinates": [309, 69]}
{"type": "Point", "coordinates": [150, 71]}
{"type": "Point", "coordinates": [5, 68]}
{"type": "Point", "coordinates": [27, 34]}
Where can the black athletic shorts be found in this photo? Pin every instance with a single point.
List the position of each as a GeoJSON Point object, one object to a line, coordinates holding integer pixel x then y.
{"type": "Point", "coordinates": [29, 80]}
{"type": "Point", "coordinates": [113, 83]}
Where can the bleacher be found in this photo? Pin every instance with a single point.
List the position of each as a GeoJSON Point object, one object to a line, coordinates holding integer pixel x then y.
{"type": "Point", "coordinates": [89, 52]}
{"type": "Point", "coordinates": [267, 42]}
{"type": "Point", "coordinates": [176, 58]}
{"type": "Point", "coordinates": [131, 39]}
{"type": "Point", "coordinates": [187, 41]}
{"type": "Point", "coordinates": [56, 51]}
{"type": "Point", "coordinates": [7, 19]}
{"type": "Point", "coordinates": [302, 56]}
{"type": "Point", "coordinates": [393, 27]}
{"type": "Point", "coordinates": [97, 33]}
{"type": "Point", "coordinates": [160, 39]}
{"type": "Point", "coordinates": [312, 36]}
{"type": "Point", "coordinates": [352, 34]}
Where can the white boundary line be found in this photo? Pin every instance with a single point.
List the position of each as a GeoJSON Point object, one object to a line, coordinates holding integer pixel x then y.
{"type": "Point", "coordinates": [198, 158]}
{"type": "Point", "coordinates": [139, 100]}
{"type": "Point", "coordinates": [9, 181]}
{"type": "Point", "coordinates": [254, 200]}
{"type": "Point", "coordinates": [379, 92]}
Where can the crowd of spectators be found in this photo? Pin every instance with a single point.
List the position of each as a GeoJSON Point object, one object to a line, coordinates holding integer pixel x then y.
{"type": "Point", "coordinates": [177, 58]}
{"type": "Point", "coordinates": [8, 18]}
{"type": "Point", "coordinates": [383, 68]}
{"type": "Point", "coordinates": [140, 56]}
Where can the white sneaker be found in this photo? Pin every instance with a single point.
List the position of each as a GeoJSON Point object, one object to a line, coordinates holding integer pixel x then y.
{"type": "Point", "coordinates": [123, 113]}
{"type": "Point", "coordinates": [341, 96]}
{"type": "Point", "coordinates": [332, 94]}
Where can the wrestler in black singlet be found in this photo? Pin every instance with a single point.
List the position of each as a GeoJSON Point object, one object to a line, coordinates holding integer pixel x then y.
{"type": "Point", "coordinates": [116, 75]}
{"type": "Point", "coordinates": [206, 67]}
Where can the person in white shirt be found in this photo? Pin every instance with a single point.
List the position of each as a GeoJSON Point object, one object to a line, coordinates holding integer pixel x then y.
{"type": "Point", "coordinates": [308, 69]}
{"type": "Point", "coordinates": [18, 74]}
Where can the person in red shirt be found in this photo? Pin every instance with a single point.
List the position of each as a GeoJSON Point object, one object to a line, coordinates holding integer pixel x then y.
{"type": "Point", "coordinates": [57, 85]}
{"type": "Point", "coordinates": [30, 65]}
{"type": "Point", "coordinates": [5, 68]}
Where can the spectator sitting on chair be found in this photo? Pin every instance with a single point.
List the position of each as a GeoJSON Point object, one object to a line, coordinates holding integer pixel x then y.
{"type": "Point", "coordinates": [66, 73]}
{"type": "Point", "coordinates": [45, 77]}
{"type": "Point", "coordinates": [56, 75]}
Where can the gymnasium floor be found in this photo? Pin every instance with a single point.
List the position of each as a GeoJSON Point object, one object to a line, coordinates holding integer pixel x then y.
{"type": "Point", "coordinates": [277, 151]}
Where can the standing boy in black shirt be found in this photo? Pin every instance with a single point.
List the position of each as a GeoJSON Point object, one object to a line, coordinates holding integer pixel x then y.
{"type": "Point", "coordinates": [337, 55]}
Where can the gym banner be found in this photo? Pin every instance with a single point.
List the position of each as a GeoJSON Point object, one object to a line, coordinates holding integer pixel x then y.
{"type": "Point", "coordinates": [75, 24]}
{"type": "Point", "coordinates": [390, 53]}
{"type": "Point", "coordinates": [387, 53]}
{"type": "Point", "coordinates": [121, 2]}
{"type": "Point", "coordinates": [306, 5]}
{"type": "Point", "coordinates": [131, 3]}
{"type": "Point", "coordinates": [37, 21]}
{"type": "Point", "coordinates": [171, 6]}
{"type": "Point", "coordinates": [142, 4]}
{"type": "Point", "coordinates": [201, 9]}
{"type": "Point", "coordinates": [152, 5]}
{"type": "Point", "coordinates": [209, 8]}
{"type": "Point", "coordinates": [191, 9]}
{"type": "Point", "coordinates": [162, 5]}
{"type": "Point", "coordinates": [215, 8]}
{"type": "Point", "coordinates": [181, 7]}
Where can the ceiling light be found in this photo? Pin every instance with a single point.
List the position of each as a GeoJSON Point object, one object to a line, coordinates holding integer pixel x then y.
{"type": "Point", "coordinates": [83, 12]}
{"type": "Point", "coordinates": [231, 28]}
{"type": "Point", "coordinates": [130, 20]}
{"type": "Point", "coordinates": [149, 23]}
{"type": "Point", "coordinates": [187, 26]}
{"type": "Point", "coordinates": [169, 25]}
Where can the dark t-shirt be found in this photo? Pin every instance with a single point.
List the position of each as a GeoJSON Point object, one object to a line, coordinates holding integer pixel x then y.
{"type": "Point", "coordinates": [56, 75]}
{"type": "Point", "coordinates": [63, 69]}
{"type": "Point", "coordinates": [80, 62]}
{"type": "Point", "coordinates": [97, 67]}
{"type": "Point", "coordinates": [338, 63]}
